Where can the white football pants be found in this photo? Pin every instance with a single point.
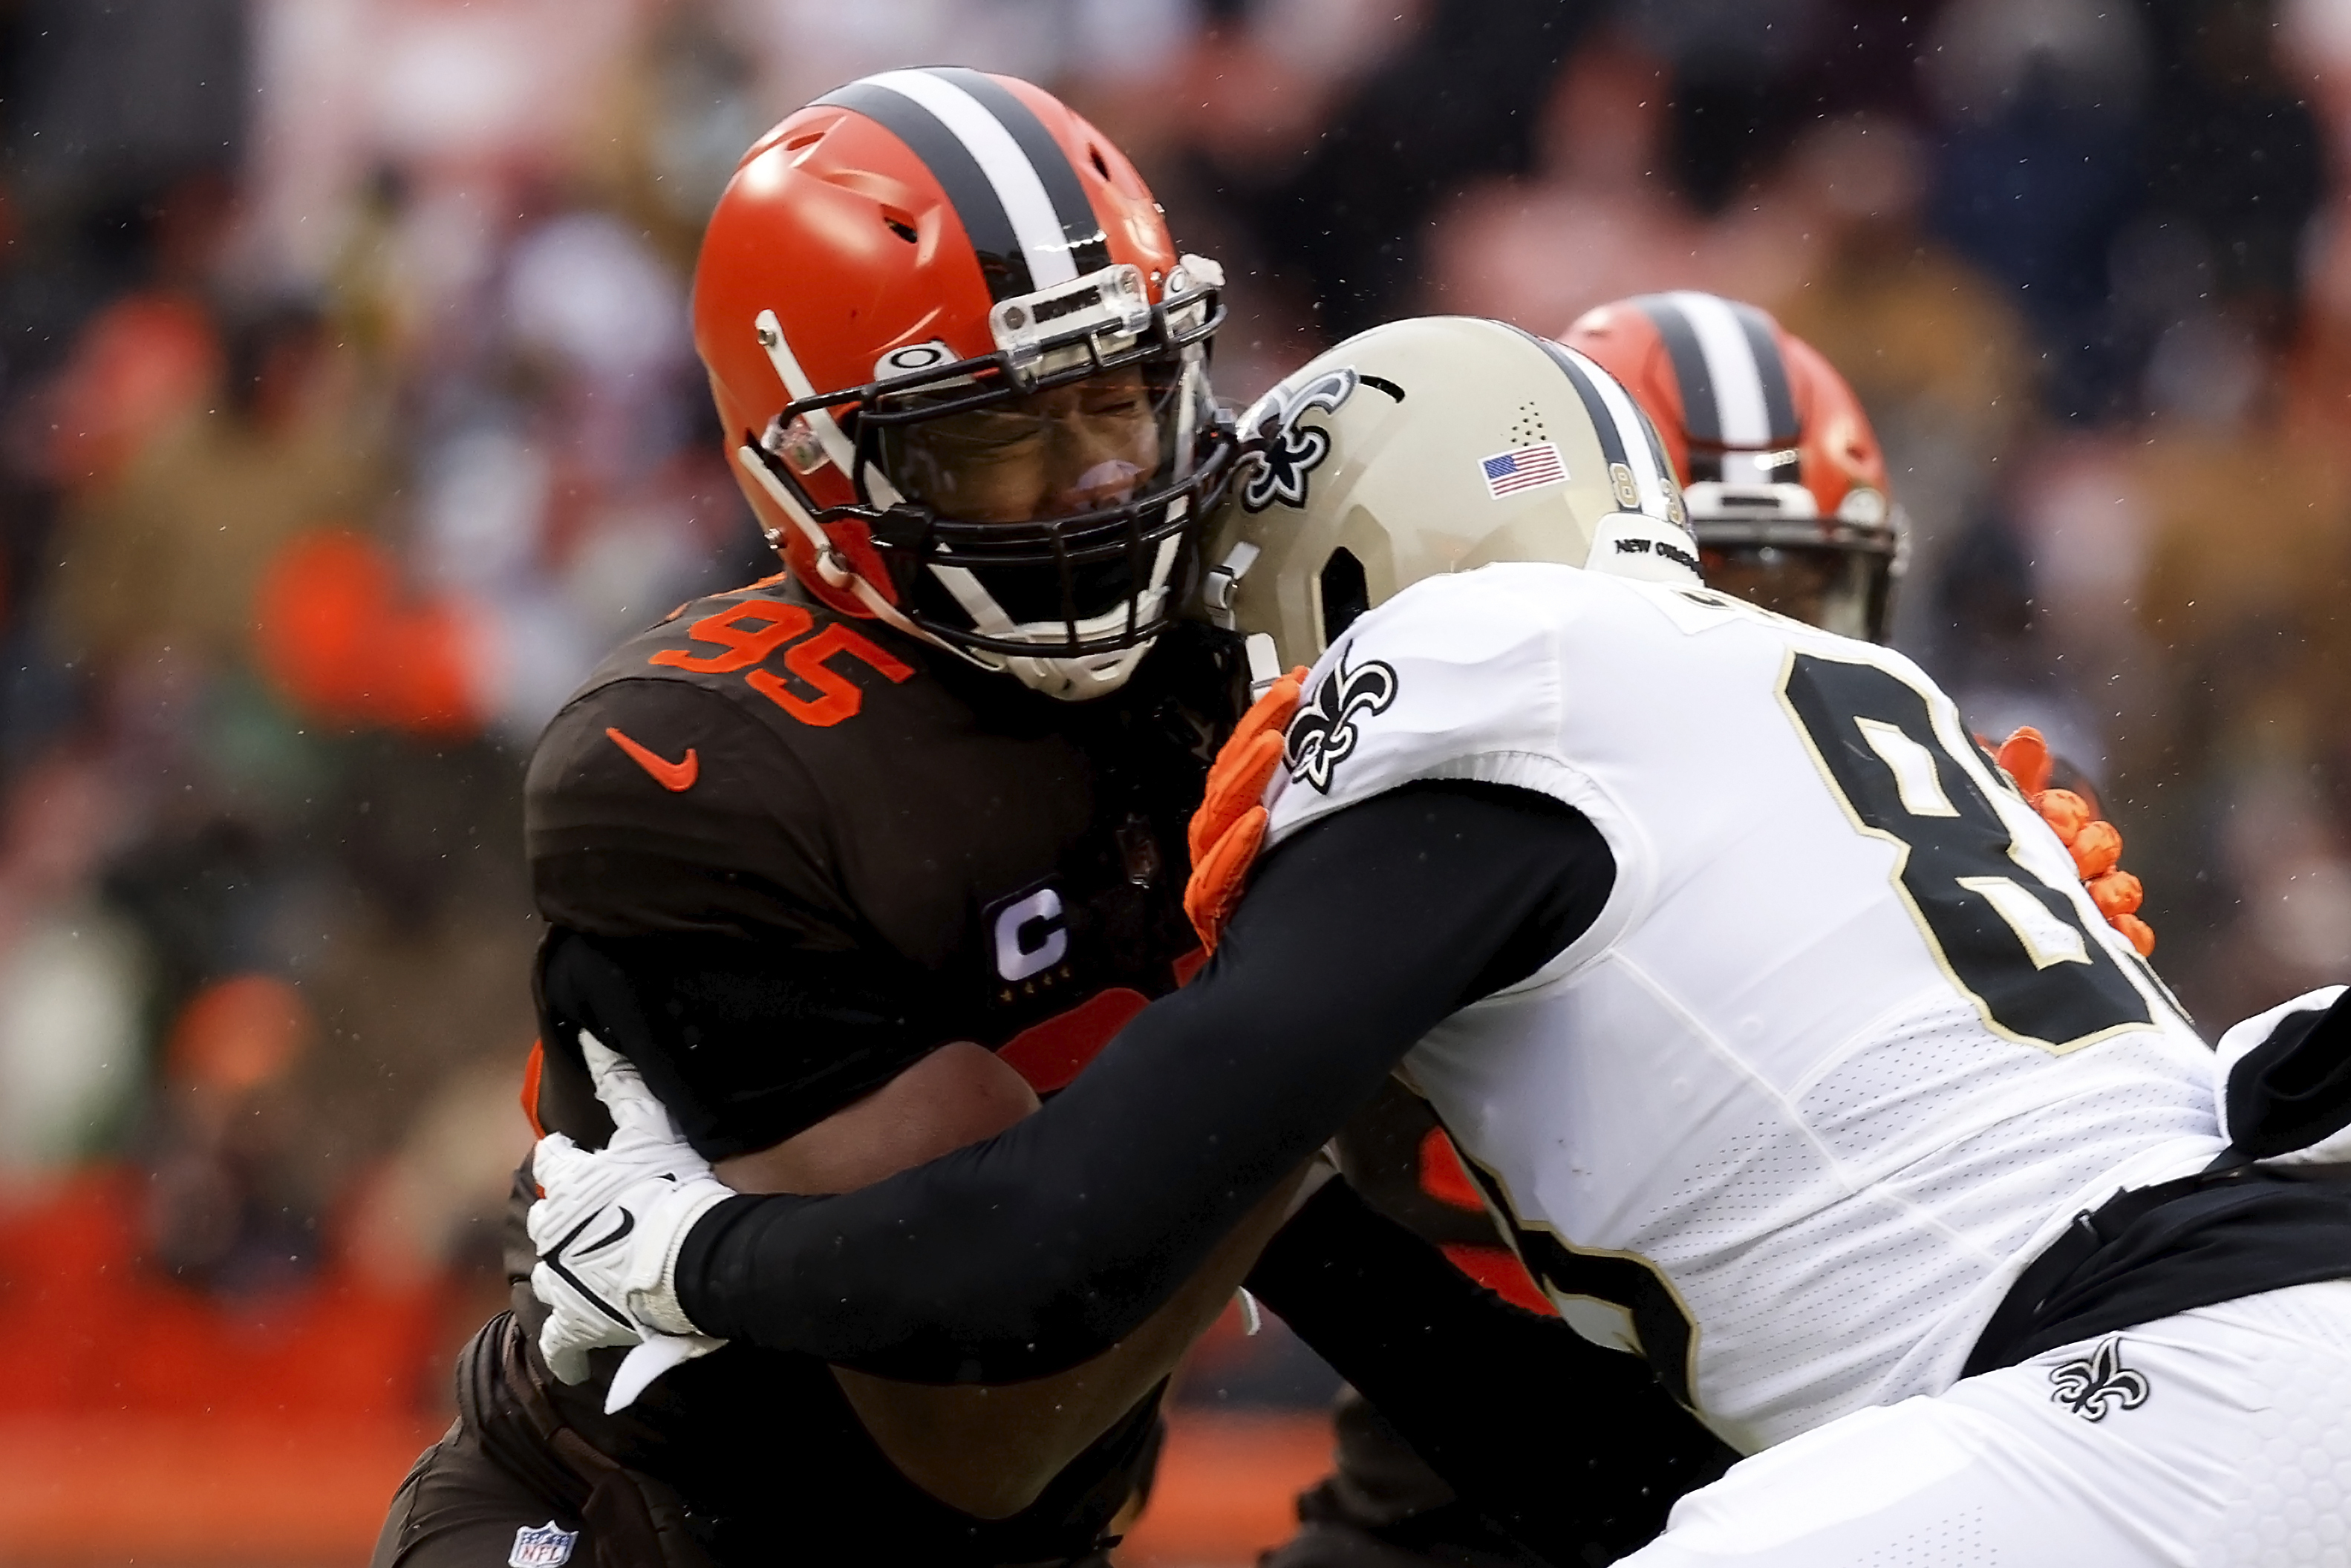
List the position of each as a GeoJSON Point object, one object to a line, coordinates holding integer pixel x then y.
{"type": "Point", "coordinates": [2218, 1438]}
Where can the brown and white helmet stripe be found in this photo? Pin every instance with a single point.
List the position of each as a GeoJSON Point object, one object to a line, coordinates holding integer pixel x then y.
{"type": "Point", "coordinates": [1779, 467]}
{"type": "Point", "coordinates": [1734, 387]}
{"type": "Point", "coordinates": [1010, 182]}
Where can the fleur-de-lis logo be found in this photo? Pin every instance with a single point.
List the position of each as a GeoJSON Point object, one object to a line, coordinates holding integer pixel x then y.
{"type": "Point", "coordinates": [2099, 1383]}
{"type": "Point", "coordinates": [1322, 735]}
{"type": "Point", "coordinates": [1284, 451]}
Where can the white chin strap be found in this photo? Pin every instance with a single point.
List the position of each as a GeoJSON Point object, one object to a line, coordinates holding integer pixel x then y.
{"type": "Point", "coordinates": [1070, 678]}
{"type": "Point", "coordinates": [828, 564]}
{"type": "Point", "coordinates": [1067, 678]}
{"type": "Point", "coordinates": [1082, 679]}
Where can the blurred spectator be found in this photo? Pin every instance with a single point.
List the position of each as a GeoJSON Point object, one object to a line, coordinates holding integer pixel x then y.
{"type": "Point", "coordinates": [2041, 107]}
{"type": "Point", "coordinates": [435, 1206]}
{"type": "Point", "coordinates": [1936, 351]}
{"type": "Point", "coordinates": [334, 635]}
{"type": "Point", "coordinates": [1915, 329]}
{"type": "Point", "coordinates": [73, 975]}
{"type": "Point", "coordinates": [1595, 220]}
{"type": "Point", "coordinates": [1738, 71]}
{"type": "Point", "coordinates": [142, 364]}
{"type": "Point", "coordinates": [116, 116]}
{"type": "Point", "coordinates": [225, 1208]}
{"type": "Point", "coordinates": [161, 555]}
{"type": "Point", "coordinates": [2236, 153]}
{"type": "Point", "coordinates": [2085, 528]}
{"type": "Point", "coordinates": [1351, 213]}
{"type": "Point", "coordinates": [2249, 556]}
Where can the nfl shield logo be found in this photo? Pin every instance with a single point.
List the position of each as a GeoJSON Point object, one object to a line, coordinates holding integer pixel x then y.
{"type": "Point", "coordinates": [546, 1547]}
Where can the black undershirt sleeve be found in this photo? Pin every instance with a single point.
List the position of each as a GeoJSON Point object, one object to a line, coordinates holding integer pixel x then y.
{"type": "Point", "coordinates": [1462, 1375]}
{"type": "Point", "coordinates": [1039, 1249]}
{"type": "Point", "coordinates": [745, 1042]}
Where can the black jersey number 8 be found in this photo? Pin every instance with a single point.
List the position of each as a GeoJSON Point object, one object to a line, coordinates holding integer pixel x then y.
{"type": "Point", "coordinates": [2015, 945]}
{"type": "Point", "coordinates": [1624, 1281]}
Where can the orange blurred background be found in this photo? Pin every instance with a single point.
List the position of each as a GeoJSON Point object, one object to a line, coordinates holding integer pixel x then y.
{"type": "Point", "coordinates": [346, 414]}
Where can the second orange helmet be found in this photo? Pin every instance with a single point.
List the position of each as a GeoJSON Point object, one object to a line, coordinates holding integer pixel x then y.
{"type": "Point", "coordinates": [1783, 475]}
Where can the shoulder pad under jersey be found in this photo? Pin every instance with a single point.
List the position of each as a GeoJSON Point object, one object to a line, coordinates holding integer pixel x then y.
{"type": "Point", "coordinates": [1456, 677]}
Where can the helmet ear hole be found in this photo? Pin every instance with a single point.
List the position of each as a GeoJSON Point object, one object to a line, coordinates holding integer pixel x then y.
{"type": "Point", "coordinates": [1346, 594]}
{"type": "Point", "coordinates": [1102, 166]}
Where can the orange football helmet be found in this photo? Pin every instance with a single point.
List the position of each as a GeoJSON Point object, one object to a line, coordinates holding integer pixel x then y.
{"type": "Point", "coordinates": [964, 369]}
{"type": "Point", "coordinates": [1782, 475]}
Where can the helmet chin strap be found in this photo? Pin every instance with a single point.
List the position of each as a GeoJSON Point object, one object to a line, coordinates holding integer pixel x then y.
{"type": "Point", "coordinates": [842, 456]}
{"type": "Point", "coordinates": [828, 564]}
{"type": "Point", "coordinates": [1078, 680]}
{"type": "Point", "coordinates": [1070, 678]}
{"type": "Point", "coordinates": [1054, 677]}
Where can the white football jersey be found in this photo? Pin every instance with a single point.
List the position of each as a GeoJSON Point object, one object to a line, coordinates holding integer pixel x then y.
{"type": "Point", "coordinates": [1848, 1043]}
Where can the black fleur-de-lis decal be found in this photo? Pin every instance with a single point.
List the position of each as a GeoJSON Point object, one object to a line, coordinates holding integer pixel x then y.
{"type": "Point", "coordinates": [2099, 1383]}
{"type": "Point", "coordinates": [1283, 452]}
{"type": "Point", "coordinates": [1322, 735]}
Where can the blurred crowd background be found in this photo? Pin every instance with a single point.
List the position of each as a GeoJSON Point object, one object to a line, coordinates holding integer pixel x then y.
{"type": "Point", "coordinates": [346, 414]}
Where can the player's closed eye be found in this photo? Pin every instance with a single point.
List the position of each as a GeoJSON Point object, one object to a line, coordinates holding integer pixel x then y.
{"type": "Point", "coordinates": [987, 435]}
{"type": "Point", "coordinates": [1121, 403]}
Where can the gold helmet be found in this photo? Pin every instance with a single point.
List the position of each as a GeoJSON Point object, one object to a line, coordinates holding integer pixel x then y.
{"type": "Point", "coordinates": [1429, 445]}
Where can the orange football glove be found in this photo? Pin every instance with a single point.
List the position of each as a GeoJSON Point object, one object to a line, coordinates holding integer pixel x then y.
{"type": "Point", "coordinates": [2097, 844]}
{"type": "Point", "coordinates": [1229, 826]}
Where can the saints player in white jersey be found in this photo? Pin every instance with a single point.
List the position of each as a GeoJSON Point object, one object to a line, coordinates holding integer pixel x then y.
{"type": "Point", "coordinates": [1788, 496]}
{"type": "Point", "coordinates": [1773, 1020]}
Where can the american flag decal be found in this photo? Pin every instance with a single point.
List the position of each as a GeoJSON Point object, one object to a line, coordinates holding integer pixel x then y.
{"type": "Point", "coordinates": [1507, 472]}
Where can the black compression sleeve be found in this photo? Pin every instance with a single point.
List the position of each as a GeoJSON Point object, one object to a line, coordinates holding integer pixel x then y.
{"type": "Point", "coordinates": [745, 1042]}
{"type": "Point", "coordinates": [1038, 1248]}
{"type": "Point", "coordinates": [1449, 1364]}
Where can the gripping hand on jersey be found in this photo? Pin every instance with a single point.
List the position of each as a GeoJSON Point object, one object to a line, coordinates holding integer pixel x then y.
{"type": "Point", "coordinates": [2097, 844]}
{"type": "Point", "coordinates": [1229, 826]}
{"type": "Point", "coordinates": [608, 1231]}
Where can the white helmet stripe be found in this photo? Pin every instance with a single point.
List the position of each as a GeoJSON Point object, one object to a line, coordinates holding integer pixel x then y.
{"type": "Point", "coordinates": [1035, 222]}
{"type": "Point", "coordinates": [1738, 381]}
{"type": "Point", "coordinates": [1627, 423]}
{"type": "Point", "coordinates": [797, 387]}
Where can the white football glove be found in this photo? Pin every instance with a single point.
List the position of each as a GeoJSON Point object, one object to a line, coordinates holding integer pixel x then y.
{"type": "Point", "coordinates": [608, 1233]}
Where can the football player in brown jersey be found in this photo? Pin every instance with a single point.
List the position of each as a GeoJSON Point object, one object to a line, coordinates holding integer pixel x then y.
{"type": "Point", "coordinates": [855, 862]}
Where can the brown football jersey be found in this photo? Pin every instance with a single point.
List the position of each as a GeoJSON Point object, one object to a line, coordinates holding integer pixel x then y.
{"type": "Point", "coordinates": [781, 853]}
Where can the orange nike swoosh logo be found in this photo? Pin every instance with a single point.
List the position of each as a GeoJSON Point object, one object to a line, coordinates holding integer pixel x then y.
{"type": "Point", "coordinates": [668, 775]}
